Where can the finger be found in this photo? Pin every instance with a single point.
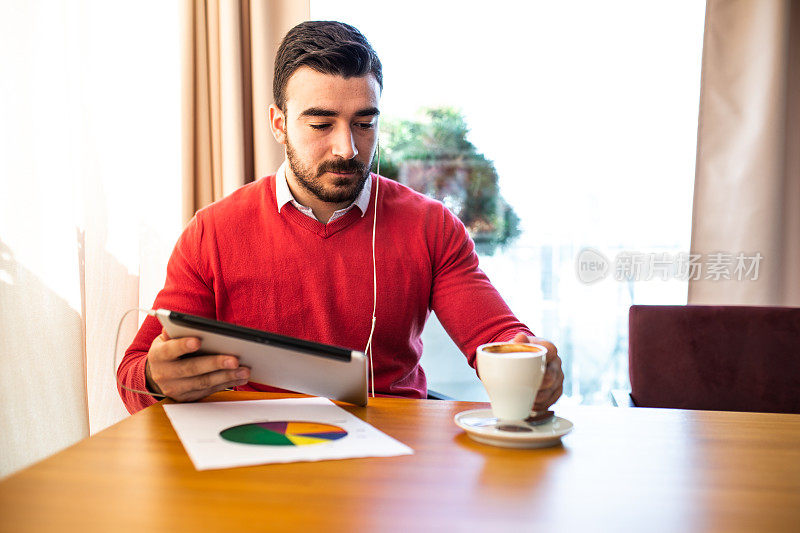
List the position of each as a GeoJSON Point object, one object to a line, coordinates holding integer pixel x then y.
{"type": "Point", "coordinates": [203, 364]}
{"type": "Point", "coordinates": [549, 380]}
{"type": "Point", "coordinates": [164, 335]}
{"type": "Point", "coordinates": [544, 394]}
{"type": "Point", "coordinates": [521, 338]}
{"type": "Point", "coordinates": [214, 379]}
{"type": "Point", "coordinates": [160, 339]}
{"type": "Point", "coordinates": [552, 351]}
{"type": "Point", "coordinates": [552, 374]}
{"type": "Point", "coordinates": [220, 387]}
{"type": "Point", "coordinates": [550, 400]}
{"type": "Point", "coordinates": [197, 386]}
{"type": "Point", "coordinates": [546, 391]}
{"type": "Point", "coordinates": [171, 350]}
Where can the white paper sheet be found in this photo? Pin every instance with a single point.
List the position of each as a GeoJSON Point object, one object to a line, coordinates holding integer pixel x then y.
{"type": "Point", "coordinates": [199, 425]}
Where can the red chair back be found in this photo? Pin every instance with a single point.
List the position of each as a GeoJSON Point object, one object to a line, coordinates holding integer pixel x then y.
{"type": "Point", "coordinates": [725, 358]}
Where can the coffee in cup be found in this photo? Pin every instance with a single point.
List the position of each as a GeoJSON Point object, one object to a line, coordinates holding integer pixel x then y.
{"type": "Point", "coordinates": [512, 373]}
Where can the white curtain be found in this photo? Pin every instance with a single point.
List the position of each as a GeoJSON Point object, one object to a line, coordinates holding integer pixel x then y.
{"type": "Point", "coordinates": [101, 163]}
{"type": "Point", "coordinates": [747, 188]}
{"type": "Point", "coordinates": [90, 165]}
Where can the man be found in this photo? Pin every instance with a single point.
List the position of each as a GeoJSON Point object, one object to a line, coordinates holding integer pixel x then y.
{"type": "Point", "coordinates": [292, 253]}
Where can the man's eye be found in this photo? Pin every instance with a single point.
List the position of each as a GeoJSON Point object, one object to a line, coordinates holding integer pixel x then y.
{"type": "Point", "coordinates": [365, 125]}
{"type": "Point", "coordinates": [319, 126]}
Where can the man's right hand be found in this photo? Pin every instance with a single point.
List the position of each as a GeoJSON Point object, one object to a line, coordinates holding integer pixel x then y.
{"type": "Point", "coordinates": [186, 380]}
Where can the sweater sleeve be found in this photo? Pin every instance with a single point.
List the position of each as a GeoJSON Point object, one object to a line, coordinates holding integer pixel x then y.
{"type": "Point", "coordinates": [189, 289]}
{"type": "Point", "coordinates": [466, 303]}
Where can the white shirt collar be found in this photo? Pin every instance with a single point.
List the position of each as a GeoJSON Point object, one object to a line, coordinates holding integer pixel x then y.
{"type": "Point", "coordinates": [284, 195]}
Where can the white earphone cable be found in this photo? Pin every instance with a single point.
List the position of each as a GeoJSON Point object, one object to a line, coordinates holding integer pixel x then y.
{"type": "Point", "coordinates": [116, 346]}
{"type": "Point", "coordinates": [368, 350]}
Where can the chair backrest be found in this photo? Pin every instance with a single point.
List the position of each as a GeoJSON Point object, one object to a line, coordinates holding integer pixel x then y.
{"type": "Point", "coordinates": [726, 358]}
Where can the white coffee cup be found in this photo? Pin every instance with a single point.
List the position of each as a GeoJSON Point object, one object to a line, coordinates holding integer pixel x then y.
{"type": "Point", "coordinates": [512, 374]}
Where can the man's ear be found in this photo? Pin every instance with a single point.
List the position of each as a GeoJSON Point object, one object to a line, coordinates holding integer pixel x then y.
{"type": "Point", "coordinates": [277, 123]}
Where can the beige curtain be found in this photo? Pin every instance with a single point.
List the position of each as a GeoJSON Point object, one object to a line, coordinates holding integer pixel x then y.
{"type": "Point", "coordinates": [229, 51]}
{"type": "Point", "coordinates": [747, 190]}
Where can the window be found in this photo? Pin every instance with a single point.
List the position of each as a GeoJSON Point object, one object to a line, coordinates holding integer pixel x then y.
{"type": "Point", "coordinates": [588, 113]}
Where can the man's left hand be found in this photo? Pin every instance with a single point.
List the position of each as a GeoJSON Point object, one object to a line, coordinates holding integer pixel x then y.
{"type": "Point", "coordinates": [553, 382]}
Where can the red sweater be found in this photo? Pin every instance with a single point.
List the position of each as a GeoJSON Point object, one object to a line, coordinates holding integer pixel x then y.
{"type": "Point", "coordinates": [239, 260]}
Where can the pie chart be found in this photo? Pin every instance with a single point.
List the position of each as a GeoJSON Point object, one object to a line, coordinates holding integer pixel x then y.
{"type": "Point", "coordinates": [283, 433]}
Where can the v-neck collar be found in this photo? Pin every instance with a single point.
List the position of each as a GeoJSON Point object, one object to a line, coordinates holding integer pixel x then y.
{"type": "Point", "coordinates": [326, 230]}
{"type": "Point", "coordinates": [315, 226]}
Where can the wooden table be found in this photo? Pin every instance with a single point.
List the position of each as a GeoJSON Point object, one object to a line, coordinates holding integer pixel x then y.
{"type": "Point", "coordinates": [619, 470]}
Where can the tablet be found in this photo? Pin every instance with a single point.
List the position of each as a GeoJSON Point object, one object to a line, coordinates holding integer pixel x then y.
{"type": "Point", "coordinates": [277, 360]}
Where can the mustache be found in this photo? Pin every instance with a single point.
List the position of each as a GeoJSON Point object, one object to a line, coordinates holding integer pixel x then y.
{"type": "Point", "coordinates": [343, 165]}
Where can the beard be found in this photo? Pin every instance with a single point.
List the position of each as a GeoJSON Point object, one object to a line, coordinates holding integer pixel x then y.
{"type": "Point", "coordinates": [342, 190]}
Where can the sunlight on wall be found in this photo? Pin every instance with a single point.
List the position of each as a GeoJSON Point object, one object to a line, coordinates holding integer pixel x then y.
{"type": "Point", "coordinates": [41, 343]}
{"type": "Point", "coordinates": [38, 162]}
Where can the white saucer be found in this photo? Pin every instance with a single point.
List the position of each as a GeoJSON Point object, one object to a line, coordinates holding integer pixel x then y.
{"type": "Point", "coordinates": [482, 427]}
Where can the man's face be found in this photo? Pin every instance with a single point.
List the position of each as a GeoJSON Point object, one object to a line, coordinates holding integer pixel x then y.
{"type": "Point", "coordinates": [330, 130]}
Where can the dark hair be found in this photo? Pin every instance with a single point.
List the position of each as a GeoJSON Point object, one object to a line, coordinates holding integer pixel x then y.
{"type": "Point", "coordinates": [326, 46]}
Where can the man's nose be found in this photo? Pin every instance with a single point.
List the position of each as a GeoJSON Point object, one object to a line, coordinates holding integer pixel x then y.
{"type": "Point", "coordinates": [344, 145]}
